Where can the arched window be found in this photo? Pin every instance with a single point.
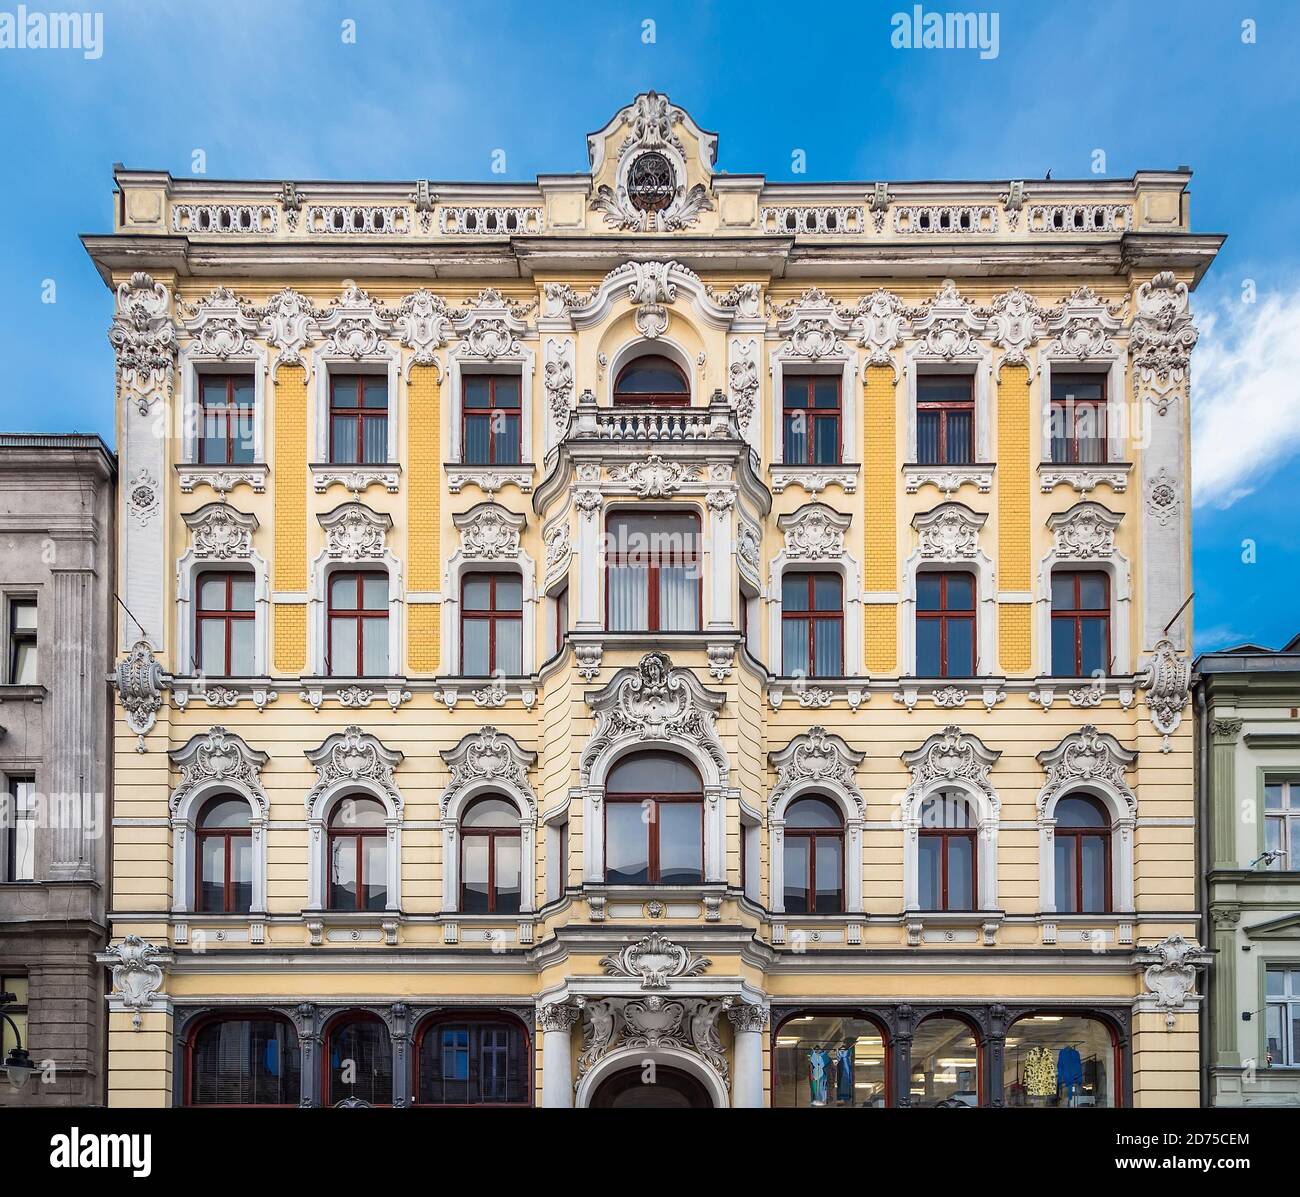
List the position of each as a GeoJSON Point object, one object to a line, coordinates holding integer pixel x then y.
{"type": "Point", "coordinates": [812, 625]}
{"type": "Point", "coordinates": [829, 1060]}
{"type": "Point", "coordinates": [223, 856]}
{"type": "Point", "coordinates": [653, 576]}
{"type": "Point", "coordinates": [490, 858]}
{"type": "Point", "coordinates": [945, 1064]}
{"type": "Point", "coordinates": [471, 1060]}
{"type": "Point", "coordinates": [651, 381]}
{"type": "Point", "coordinates": [225, 624]}
{"type": "Point", "coordinates": [654, 821]}
{"type": "Point", "coordinates": [358, 855]}
{"type": "Point", "coordinates": [359, 1061]}
{"type": "Point", "coordinates": [814, 858]}
{"type": "Point", "coordinates": [1082, 839]}
{"type": "Point", "coordinates": [243, 1061]}
{"type": "Point", "coordinates": [491, 624]}
{"type": "Point", "coordinates": [357, 630]}
{"type": "Point", "coordinates": [945, 624]}
{"type": "Point", "coordinates": [948, 862]}
{"type": "Point", "coordinates": [1061, 1061]}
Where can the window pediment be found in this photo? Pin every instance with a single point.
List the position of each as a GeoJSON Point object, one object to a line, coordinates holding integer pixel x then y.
{"type": "Point", "coordinates": [221, 757]}
{"type": "Point", "coordinates": [1085, 532]}
{"type": "Point", "coordinates": [817, 757]}
{"type": "Point", "coordinates": [1087, 756]}
{"type": "Point", "coordinates": [815, 532]}
{"type": "Point", "coordinates": [489, 532]}
{"type": "Point", "coordinates": [351, 756]}
{"type": "Point", "coordinates": [952, 755]}
{"type": "Point", "coordinates": [950, 532]}
{"type": "Point", "coordinates": [353, 532]}
{"type": "Point", "coordinates": [491, 756]}
{"type": "Point", "coordinates": [218, 532]}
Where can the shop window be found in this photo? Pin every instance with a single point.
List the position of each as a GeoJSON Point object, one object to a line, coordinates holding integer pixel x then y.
{"type": "Point", "coordinates": [1060, 1061]}
{"type": "Point", "coordinates": [945, 1064]}
{"type": "Point", "coordinates": [823, 1060]}
{"type": "Point", "coordinates": [244, 1062]}
{"type": "Point", "coordinates": [472, 1061]}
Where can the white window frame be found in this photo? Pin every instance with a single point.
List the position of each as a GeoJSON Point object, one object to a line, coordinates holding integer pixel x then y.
{"type": "Point", "coordinates": [977, 365]}
{"type": "Point", "coordinates": [986, 817]}
{"type": "Point", "coordinates": [384, 363]}
{"type": "Point", "coordinates": [462, 363]}
{"type": "Point", "coordinates": [194, 364]}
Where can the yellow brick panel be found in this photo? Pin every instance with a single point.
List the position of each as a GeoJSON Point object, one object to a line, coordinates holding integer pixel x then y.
{"type": "Point", "coordinates": [1014, 632]}
{"type": "Point", "coordinates": [291, 479]}
{"type": "Point", "coordinates": [424, 515]}
{"type": "Point", "coordinates": [1013, 479]}
{"type": "Point", "coordinates": [880, 484]}
{"type": "Point", "coordinates": [880, 631]}
{"type": "Point", "coordinates": [289, 631]}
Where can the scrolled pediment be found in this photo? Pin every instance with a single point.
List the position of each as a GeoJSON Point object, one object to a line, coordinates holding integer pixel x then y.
{"type": "Point", "coordinates": [1086, 756]}
{"type": "Point", "coordinates": [354, 532]}
{"type": "Point", "coordinates": [949, 532]}
{"type": "Point", "coordinates": [952, 755]}
{"type": "Point", "coordinates": [817, 757]}
{"type": "Point", "coordinates": [353, 755]}
{"type": "Point", "coordinates": [493, 756]}
{"type": "Point", "coordinates": [489, 532]}
{"type": "Point", "coordinates": [815, 532]}
{"type": "Point", "coordinates": [218, 532]}
{"type": "Point", "coordinates": [1084, 532]}
{"type": "Point", "coordinates": [219, 756]}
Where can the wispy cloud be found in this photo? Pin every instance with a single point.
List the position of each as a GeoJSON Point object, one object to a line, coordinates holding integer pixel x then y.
{"type": "Point", "coordinates": [1246, 397]}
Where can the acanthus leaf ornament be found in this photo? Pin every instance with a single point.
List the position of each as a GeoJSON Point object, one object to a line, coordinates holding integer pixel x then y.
{"type": "Point", "coordinates": [654, 478]}
{"type": "Point", "coordinates": [143, 497]}
{"type": "Point", "coordinates": [139, 681]}
{"type": "Point", "coordinates": [220, 756]}
{"type": "Point", "coordinates": [951, 532]}
{"type": "Point", "coordinates": [744, 380]}
{"type": "Point", "coordinates": [219, 532]}
{"type": "Point", "coordinates": [655, 961]}
{"type": "Point", "coordinates": [421, 322]}
{"type": "Point", "coordinates": [137, 967]}
{"type": "Point", "coordinates": [947, 325]}
{"type": "Point", "coordinates": [355, 326]}
{"type": "Point", "coordinates": [1168, 687]}
{"type": "Point", "coordinates": [952, 755]}
{"type": "Point", "coordinates": [1015, 323]}
{"type": "Point", "coordinates": [289, 324]}
{"type": "Point", "coordinates": [353, 532]}
{"type": "Point", "coordinates": [819, 757]}
{"type": "Point", "coordinates": [493, 756]}
{"type": "Point", "coordinates": [222, 325]}
{"type": "Point", "coordinates": [1163, 337]}
{"type": "Point", "coordinates": [815, 532]}
{"type": "Point", "coordinates": [558, 378]}
{"type": "Point", "coordinates": [1087, 755]}
{"type": "Point", "coordinates": [881, 321]}
{"type": "Point", "coordinates": [489, 532]}
{"type": "Point", "coordinates": [354, 755]}
{"type": "Point", "coordinates": [1170, 974]}
{"type": "Point", "coordinates": [143, 336]}
{"type": "Point", "coordinates": [1082, 326]}
{"type": "Point", "coordinates": [1085, 532]}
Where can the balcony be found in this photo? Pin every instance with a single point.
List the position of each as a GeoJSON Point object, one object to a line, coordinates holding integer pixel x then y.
{"type": "Point", "coordinates": [715, 422]}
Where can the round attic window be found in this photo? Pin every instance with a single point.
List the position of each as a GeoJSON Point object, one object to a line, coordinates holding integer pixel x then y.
{"type": "Point", "coordinates": [650, 183]}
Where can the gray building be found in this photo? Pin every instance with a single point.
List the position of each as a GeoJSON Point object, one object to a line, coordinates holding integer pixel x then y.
{"type": "Point", "coordinates": [1248, 708]}
{"type": "Point", "coordinates": [56, 613]}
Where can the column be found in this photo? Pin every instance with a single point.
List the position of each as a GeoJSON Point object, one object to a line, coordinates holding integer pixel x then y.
{"type": "Point", "coordinates": [307, 1019]}
{"type": "Point", "coordinates": [399, 1031]}
{"type": "Point", "coordinates": [1223, 977]}
{"type": "Point", "coordinates": [995, 1054]}
{"type": "Point", "coordinates": [72, 685]}
{"type": "Point", "coordinates": [900, 1043]}
{"type": "Point", "coordinates": [555, 1021]}
{"type": "Point", "coordinates": [1223, 755]}
{"type": "Point", "coordinates": [748, 1021]}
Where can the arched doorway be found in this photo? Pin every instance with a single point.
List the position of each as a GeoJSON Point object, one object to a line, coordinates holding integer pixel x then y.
{"type": "Point", "coordinates": [659, 1088]}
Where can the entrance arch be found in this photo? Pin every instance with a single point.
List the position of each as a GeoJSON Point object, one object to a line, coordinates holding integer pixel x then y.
{"type": "Point", "coordinates": [681, 1081]}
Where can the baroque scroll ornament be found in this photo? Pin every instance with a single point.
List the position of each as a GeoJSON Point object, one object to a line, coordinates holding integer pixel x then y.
{"type": "Point", "coordinates": [952, 755]}
{"type": "Point", "coordinates": [489, 532]}
{"type": "Point", "coordinates": [493, 756]}
{"type": "Point", "coordinates": [1168, 687]}
{"type": "Point", "coordinates": [137, 973]}
{"type": "Point", "coordinates": [651, 1023]}
{"type": "Point", "coordinates": [1171, 974]}
{"type": "Point", "coordinates": [219, 756]}
{"type": "Point", "coordinates": [222, 325]}
{"type": "Point", "coordinates": [654, 961]}
{"type": "Point", "coordinates": [818, 757]}
{"type": "Point", "coordinates": [354, 755]}
{"type": "Point", "coordinates": [1087, 755]}
{"type": "Point", "coordinates": [354, 533]}
{"type": "Point", "coordinates": [1163, 336]}
{"type": "Point", "coordinates": [143, 337]}
{"type": "Point", "coordinates": [139, 681]}
{"type": "Point", "coordinates": [220, 533]}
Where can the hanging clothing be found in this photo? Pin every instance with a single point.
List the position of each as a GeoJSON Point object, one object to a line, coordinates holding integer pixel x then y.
{"type": "Point", "coordinates": [819, 1065]}
{"type": "Point", "coordinates": [1040, 1073]}
{"type": "Point", "coordinates": [1069, 1071]}
{"type": "Point", "coordinates": [844, 1080]}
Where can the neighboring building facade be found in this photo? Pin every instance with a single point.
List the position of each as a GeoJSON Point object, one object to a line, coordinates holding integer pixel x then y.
{"type": "Point", "coordinates": [648, 615]}
{"type": "Point", "coordinates": [1248, 707]}
{"type": "Point", "coordinates": [56, 587]}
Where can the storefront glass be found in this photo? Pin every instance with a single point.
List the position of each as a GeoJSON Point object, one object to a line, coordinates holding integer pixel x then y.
{"type": "Point", "coordinates": [829, 1060]}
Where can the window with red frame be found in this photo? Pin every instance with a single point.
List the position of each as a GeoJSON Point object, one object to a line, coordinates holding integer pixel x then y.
{"type": "Point", "coordinates": [224, 624]}
{"type": "Point", "coordinates": [1080, 623]}
{"type": "Point", "coordinates": [490, 858]}
{"type": "Point", "coordinates": [472, 1060]}
{"type": "Point", "coordinates": [812, 625]}
{"type": "Point", "coordinates": [358, 419]}
{"type": "Point", "coordinates": [652, 572]}
{"type": "Point", "coordinates": [358, 855]}
{"type": "Point", "coordinates": [491, 625]}
{"type": "Point", "coordinates": [357, 619]}
{"type": "Point", "coordinates": [654, 822]}
{"type": "Point", "coordinates": [490, 415]}
{"type": "Point", "coordinates": [814, 858]}
{"type": "Point", "coordinates": [811, 419]}
{"type": "Point", "coordinates": [945, 624]}
{"type": "Point", "coordinates": [1081, 842]}
{"type": "Point", "coordinates": [359, 1061]}
{"type": "Point", "coordinates": [947, 865]}
{"type": "Point", "coordinates": [651, 381]}
{"type": "Point", "coordinates": [945, 419]}
{"type": "Point", "coordinates": [226, 410]}
{"type": "Point", "coordinates": [223, 857]}
{"type": "Point", "coordinates": [1078, 415]}
{"type": "Point", "coordinates": [244, 1061]}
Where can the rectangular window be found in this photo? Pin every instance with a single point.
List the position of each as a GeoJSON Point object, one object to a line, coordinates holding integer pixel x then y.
{"type": "Point", "coordinates": [490, 415]}
{"type": "Point", "coordinates": [652, 572]}
{"type": "Point", "coordinates": [945, 419]}
{"type": "Point", "coordinates": [1078, 415]}
{"type": "Point", "coordinates": [358, 625]}
{"type": "Point", "coordinates": [15, 984]}
{"type": "Point", "coordinates": [226, 413]}
{"type": "Point", "coordinates": [492, 625]}
{"type": "Point", "coordinates": [812, 625]}
{"type": "Point", "coordinates": [1282, 824]}
{"type": "Point", "coordinates": [18, 829]}
{"type": "Point", "coordinates": [358, 419]}
{"type": "Point", "coordinates": [561, 618]}
{"type": "Point", "coordinates": [1282, 1027]}
{"type": "Point", "coordinates": [1080, 624]}
{"type": "Point", "coordinates": [945, 625]}
{"type": "Point", "coordinates": [22, 642]}
{"type": "Point", "coordinates": [225, 622]}
{"type": "Point", "coordinates": [811, 419]}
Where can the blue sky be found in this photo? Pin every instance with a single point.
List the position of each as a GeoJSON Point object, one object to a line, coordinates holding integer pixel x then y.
{"type": "Point", "coordinates": [272, 89]}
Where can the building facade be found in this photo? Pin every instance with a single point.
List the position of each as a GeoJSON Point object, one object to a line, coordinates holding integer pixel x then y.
{"type": "Point", "coordinates": [654, 636]}
{"type": "Point", "coordinates": [57, 511]}
{"type": "Point", "coordinates": [1247, 700]}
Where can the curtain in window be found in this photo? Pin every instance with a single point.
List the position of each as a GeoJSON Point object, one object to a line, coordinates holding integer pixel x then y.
{"type": "Point", "coordinates": [678, 599]}
{"type": "Point", "coordinates": [345, 438]}
{"type": "Point", "coordinates": [375, 644]}
{"type": "Point", "coordinates": [629, 609]}
{"type": "Point", "coordinates": [826, 633]}
{"type": "Point", "coordinates": [794, 647]}
{"type": "Point", "coordinates": [959, 438]}
{"type": "Point", "coordinates": [376, 440]}
{"type": "Point", "coordinates": [478, 435]}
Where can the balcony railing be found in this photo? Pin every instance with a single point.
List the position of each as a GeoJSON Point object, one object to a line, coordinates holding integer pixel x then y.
{"type": "Point", "coordinates": [717, 421]}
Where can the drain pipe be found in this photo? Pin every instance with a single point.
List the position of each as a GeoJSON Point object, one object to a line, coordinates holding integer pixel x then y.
{"type": "Point", "coordinates": [1201, 857]}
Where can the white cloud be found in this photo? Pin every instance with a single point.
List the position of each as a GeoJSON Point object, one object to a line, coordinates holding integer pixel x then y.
{"type": "Point", "coordinates": [1245, 397]}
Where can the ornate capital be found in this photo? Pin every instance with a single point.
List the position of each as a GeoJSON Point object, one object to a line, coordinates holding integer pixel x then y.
{"type": "Point", "coordinates": [557, 1016]}
{"type": "Point", "coordinates": [1163, 337]}
{"type": "Point", "coordinates": [748, 1016]}
{"type": "Point", "coordinates": [137, 973]}
{"type": "Point", "coordinates": [1225, 731]}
